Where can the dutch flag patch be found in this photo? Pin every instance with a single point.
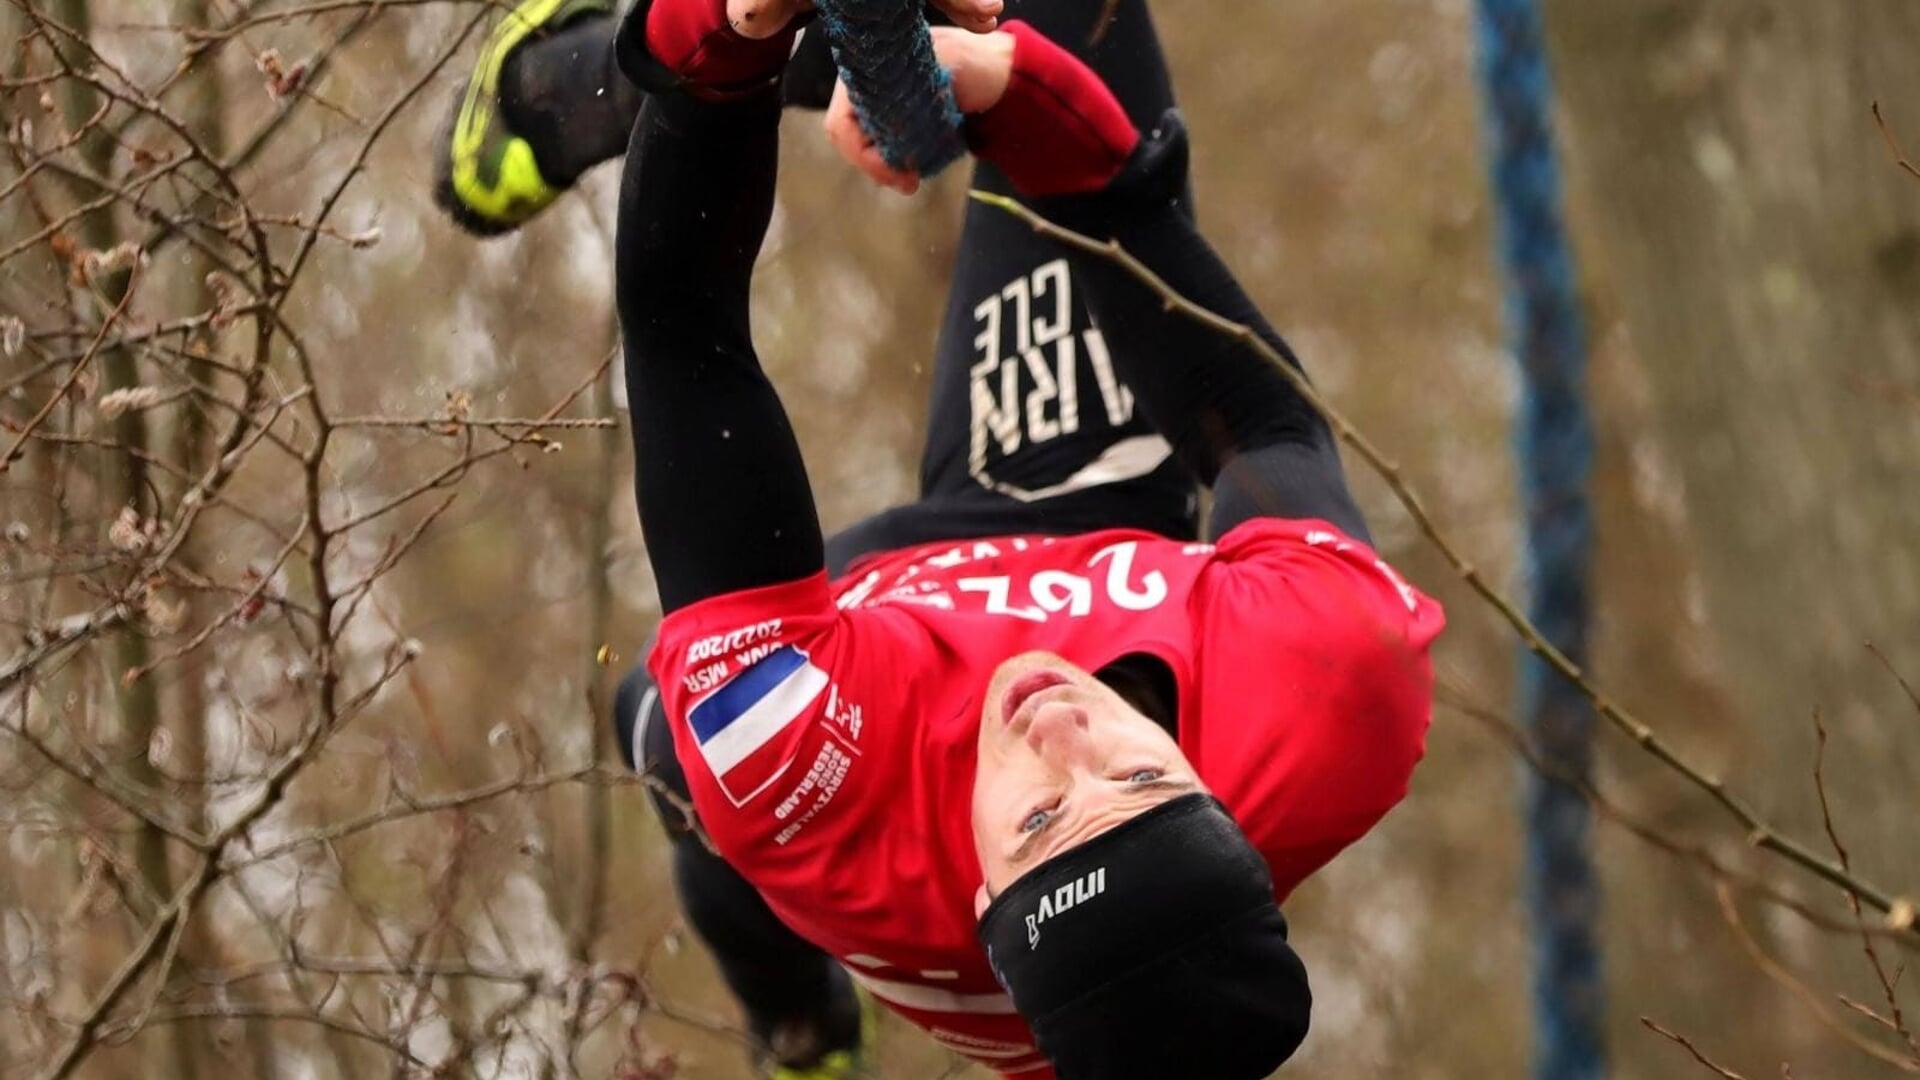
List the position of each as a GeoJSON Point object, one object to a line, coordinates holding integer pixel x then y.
{"type": "Point", "coordinates": [739, 725]}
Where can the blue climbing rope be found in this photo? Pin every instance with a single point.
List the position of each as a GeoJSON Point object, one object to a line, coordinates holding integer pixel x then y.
{"type": "Point", "coordinates": [901, 94]}
{"type": "Point", "coordinates": [1554, 441]}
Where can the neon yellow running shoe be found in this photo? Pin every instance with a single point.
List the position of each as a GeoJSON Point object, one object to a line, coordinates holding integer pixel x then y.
{"type": "Point", "coordinates": [839, 1065]}
{"type": "Point", "coordinates": [836, 1064]}
{"type": "Point", "coordinates": [485, 176]}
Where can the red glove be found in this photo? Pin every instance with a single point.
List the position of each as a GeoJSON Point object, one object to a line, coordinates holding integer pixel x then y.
{"type": "Point", "coordinates": [694, 40]}
{"type": "Point", "coordinates": [1058, 130]}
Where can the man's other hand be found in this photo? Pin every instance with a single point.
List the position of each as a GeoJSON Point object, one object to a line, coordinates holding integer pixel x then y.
{"type": "Point", "coordinates": [980, 65]}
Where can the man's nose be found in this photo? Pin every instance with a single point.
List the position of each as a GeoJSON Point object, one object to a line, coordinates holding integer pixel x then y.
{"type": "Point", "coordinates": [1058, 732]}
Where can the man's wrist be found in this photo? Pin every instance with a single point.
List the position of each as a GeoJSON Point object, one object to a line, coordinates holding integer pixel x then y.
{"type": "Point", "coordinates": [980, 64]}
{"type": "Point", "coordinates": [1152, 181]}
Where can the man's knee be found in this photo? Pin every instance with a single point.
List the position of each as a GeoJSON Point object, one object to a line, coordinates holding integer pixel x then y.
{"type": "Point", "coordinates": [632, 702]}
{"type": "Point", "coordinates": [646, 745]}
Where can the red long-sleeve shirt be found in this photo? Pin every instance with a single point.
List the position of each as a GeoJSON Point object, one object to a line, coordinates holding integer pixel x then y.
{"type": "Point", "coordinates": [828, 731]}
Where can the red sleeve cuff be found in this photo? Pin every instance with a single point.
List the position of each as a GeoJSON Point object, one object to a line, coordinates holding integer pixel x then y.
{"type": "Point", "coordinates": [1058, 130]}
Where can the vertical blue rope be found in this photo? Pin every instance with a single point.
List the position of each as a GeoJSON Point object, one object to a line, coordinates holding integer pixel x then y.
{"type": "Point", "coordinates": [1555, 446]}
{"type": "Point", "coordinates": [902, 95]}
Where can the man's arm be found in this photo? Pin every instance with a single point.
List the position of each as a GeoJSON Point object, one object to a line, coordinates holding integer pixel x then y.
{"type": "Point", "coordinates": [1232, 418]}
{"type": "Point", "coordinates": [1045, 119]}
{"type": "Point", "coordinates": [723, 494]}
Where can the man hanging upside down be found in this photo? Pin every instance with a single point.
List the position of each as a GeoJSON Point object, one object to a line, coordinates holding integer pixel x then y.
{"type": "Point", "coordinates": [1043, 720]}
{"type": "Point", "coordinates": [1039, 793]}
{"type": "Point", "coordinates": [1030, 429]}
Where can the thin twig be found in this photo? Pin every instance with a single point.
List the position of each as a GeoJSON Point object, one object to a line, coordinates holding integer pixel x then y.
{"type": "Point", "coordinates": [73, 377]}
{"type": "Point", "coordinates": [404, 805]}
{"type": "Point", "coordinates": [1897, 1022]}
{"type": "Point", "coordinates": [1913, 696]}
{"type": "Point", "coordinates": [1510, 733]}
{"type": "Point", "coordinates": [188, 1013]}
{"type": "Point", "coordinates": [1719, 1070]}
{"type": "Point", "coordinates": [1893, 145]}
{"type": "Point", "coordinates": [446, 425]}
{"type": "Point", "coordinates": [1813, 1000]}
{"type": "Point", "coordinates": [281, 16]}
{"type": "Point", "coordinates": [1108, 12]}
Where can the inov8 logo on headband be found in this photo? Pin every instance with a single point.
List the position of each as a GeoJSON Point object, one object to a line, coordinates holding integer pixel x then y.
{"type": "Point", "coordinates": [1064, 899]}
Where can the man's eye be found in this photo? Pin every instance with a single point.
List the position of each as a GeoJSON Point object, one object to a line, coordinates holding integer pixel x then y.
{"type": "Point", "coordinates": [1035, 821]}
{"type": "Point", "coordinates": [1144, 776]}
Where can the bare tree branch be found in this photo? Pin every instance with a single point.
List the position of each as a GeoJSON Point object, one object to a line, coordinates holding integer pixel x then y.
{"type": "Point", "coordinates": [1760, 833]}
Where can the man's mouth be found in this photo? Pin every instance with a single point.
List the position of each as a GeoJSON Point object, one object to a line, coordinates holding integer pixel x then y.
{"type": "Point", "coordinates": [1025, 687]}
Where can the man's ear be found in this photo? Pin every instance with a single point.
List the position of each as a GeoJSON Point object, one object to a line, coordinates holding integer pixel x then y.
{"type": "Point", "coordinates": [981, 898]}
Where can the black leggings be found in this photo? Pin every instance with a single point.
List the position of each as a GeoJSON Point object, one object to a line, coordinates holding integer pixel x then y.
{"type": "Point", "coordinates": [724, 499]}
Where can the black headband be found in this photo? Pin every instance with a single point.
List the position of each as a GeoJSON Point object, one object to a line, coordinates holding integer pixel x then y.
{"type": "Point", "coordinates": [1155, 949]}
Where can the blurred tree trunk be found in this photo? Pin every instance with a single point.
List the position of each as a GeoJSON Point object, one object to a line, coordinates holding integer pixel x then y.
{"type": "Point", "coordinates": [589, 920]}
{"type": "Point", "coordinates": [122, 476]}
{"type": "Point", "coordinates": [1765, 251]}
{"type": "Point", "coordinates": [199, 101]}
{"type": "Point", "coordinates": [122, 483]}
{"type": "Point", "coordinates": [585, 924]}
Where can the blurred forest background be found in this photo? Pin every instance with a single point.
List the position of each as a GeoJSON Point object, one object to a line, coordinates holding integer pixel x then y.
{"type": "Point", "coordinates": [320, 555]}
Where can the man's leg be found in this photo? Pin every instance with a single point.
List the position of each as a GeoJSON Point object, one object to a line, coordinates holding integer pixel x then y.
{"type": "Point", "coordinates": [744, 935]}
{"type": "Point", "coordinates": [724, 501]}
{"type": "Point", "coordinates": [1056, 444]}
{"type": "Point", "coordinates": [1233, 418]}
{"type": "Point", "coordinates": [546, 102]}
{"type": "Point", "coordinates": [800, 1006]}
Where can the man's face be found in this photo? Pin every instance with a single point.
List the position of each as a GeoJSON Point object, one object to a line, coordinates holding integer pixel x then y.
{"type": "Point", "coordinates": [1063, 758]}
